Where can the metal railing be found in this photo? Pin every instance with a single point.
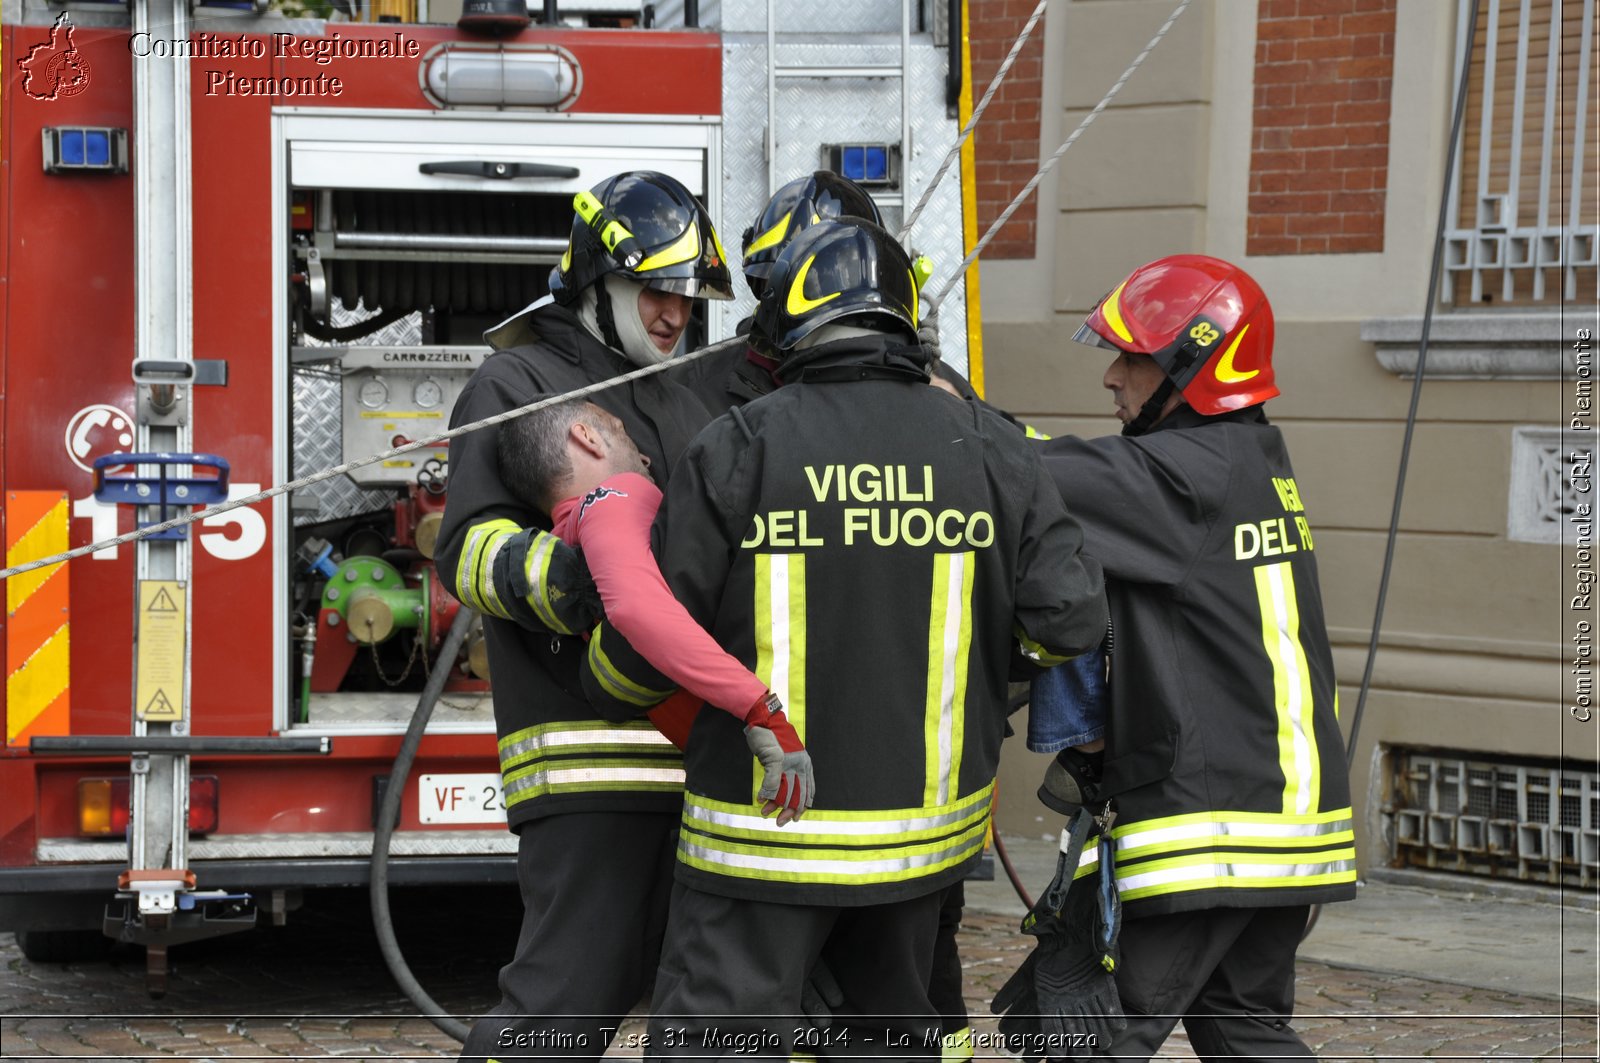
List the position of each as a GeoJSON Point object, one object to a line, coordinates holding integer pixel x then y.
{"type": "Point", "coordinates": [1525, 217]}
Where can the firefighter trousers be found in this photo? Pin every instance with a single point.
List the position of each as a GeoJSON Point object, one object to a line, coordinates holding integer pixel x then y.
{"type": "Point", "coordinates": [945, 990]}
{"type": "Point", "coordinates": [1227, 973]}
{"type": "Point", "coordinates": [732, 973]}
{"type": "Point", "coordinates": [595, 887]}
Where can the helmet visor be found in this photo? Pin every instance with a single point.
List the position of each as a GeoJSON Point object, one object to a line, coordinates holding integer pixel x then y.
{"type": "Point", "coordinates": [711, 287]}
{"type": "Point", "coordinates": [1090, 337]}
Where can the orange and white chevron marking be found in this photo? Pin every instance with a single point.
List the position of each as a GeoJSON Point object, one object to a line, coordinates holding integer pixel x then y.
{"type": "Point", "coordinates": [38, 688]}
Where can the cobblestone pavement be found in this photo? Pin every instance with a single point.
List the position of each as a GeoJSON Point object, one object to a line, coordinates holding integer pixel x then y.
{"type": "Point", "coordinates": [318, 988]}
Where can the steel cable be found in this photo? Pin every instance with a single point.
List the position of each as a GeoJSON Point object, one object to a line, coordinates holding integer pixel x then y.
{"type": "Point", "coordinates": [327, 474]}
{"type": "Point", "coordinates": [972, 121]}
{"type": "Point", "coordinates": [337, 470]}
{"type": "Point", "coordinates": [1049, 164]}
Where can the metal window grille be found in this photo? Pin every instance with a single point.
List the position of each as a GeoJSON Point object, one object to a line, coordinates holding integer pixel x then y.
{"type": "Point", "coordinates": [1524, 209]}
{"type": "Point", "coordinates": [1543, 493]}
{"type": "Point", "coordinates": [1528, 822]}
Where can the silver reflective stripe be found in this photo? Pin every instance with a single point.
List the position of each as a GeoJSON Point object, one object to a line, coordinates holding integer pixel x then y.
{"type": "Point", "coordinates": [697, 814]}
{"type": "Point", "coordinates": [778, 588]}
{"type": "Point", "coordinates": [467, 588]}
{"type": "Point", "coordinates": [491, 592]}
{"type": "Point", "coordinates": [533, 566]}
{"type": "Point", "coordinates": [1190, 835]}
{"type": "Point", "coordinates": [955, 604]}
{"type": "Point", "coordinates": [587, 778]}
{"type": "Point", "coordinates": [816, 866]}
{"type": "Point", "coordinates": [1088, 855]}
{"type": "Point", "coordinates": [1275, 588]}
{"type": "Point", "coordinates": [566, 740]}
{"type": "Point", "coordinates": [1219, 871]}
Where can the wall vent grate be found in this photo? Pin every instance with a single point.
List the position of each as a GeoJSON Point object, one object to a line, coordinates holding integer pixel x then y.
{"type": "Point", "coordinates": [1525, 821]}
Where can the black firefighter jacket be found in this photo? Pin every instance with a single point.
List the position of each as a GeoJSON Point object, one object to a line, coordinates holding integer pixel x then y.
{"type": "Point", "coordinates": [873, 549]}
{"type": "Point", "coordinates": [1224, 753]}
{"type": "Point", "coordinates": [556, 755]}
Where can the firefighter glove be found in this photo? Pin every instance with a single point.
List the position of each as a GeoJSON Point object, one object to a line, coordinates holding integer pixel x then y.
{"type": "Point", "coordinates": [552, 579]}
{"type": "Point", "coordinates": [787, 784]}
{"type": "Point", "coordinates": [1062, 1003]}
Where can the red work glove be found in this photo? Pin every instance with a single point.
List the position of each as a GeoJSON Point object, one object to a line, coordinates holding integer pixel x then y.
{"type": "Point", "coordinates": [788, 785]}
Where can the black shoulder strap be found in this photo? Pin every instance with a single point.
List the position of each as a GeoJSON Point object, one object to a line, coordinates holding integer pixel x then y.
{"type": "Point", "coordinates": [744, 426]}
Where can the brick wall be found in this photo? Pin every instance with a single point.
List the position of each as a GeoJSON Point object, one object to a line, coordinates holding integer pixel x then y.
{"type": "Point", "coordinates": [1007, 137]}
{"type": "Point", "coordinates": [1319, 158]}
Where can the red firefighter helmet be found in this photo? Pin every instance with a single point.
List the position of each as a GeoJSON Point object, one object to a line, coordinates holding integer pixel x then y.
{"type": "Point", "coordinates": [1205, 322]}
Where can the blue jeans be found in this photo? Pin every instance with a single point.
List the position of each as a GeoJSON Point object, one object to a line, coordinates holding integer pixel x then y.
{"type": "Point", "coordinates": [1068, 704]}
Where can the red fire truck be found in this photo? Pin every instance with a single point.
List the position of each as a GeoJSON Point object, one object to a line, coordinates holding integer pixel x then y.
{"type": "Point", "coordinates": [240, 248]}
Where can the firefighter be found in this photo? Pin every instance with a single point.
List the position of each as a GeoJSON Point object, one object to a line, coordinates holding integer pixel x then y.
{"type": "Point", "coordinates": [594, 805]}
{"type": "Point", "coordinates": [873, 549]}
{"type": "Point", "coordinates": [1224, 765]}
{"type": "Point", "coordinates": [723, 381]}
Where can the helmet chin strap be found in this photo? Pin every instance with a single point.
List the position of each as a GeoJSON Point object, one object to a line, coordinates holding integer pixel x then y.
{"type": "Point", "coordinates": [1150, 412]}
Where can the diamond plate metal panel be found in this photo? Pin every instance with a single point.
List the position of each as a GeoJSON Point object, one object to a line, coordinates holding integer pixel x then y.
{"type": "Point", "coordinates": [814, 112]}
{"type": "Point", "coordinates": [839, 16]}
{"type": "Point", "coordinates": [318, 424]}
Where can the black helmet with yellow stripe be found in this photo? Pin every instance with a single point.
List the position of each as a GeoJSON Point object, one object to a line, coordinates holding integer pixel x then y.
{"type": "Point", "coordinates": [801, 203]}
{"type": "Point", "coordinates": [647, 227]}
{"type": "Point", "coordinates": [848, 271]}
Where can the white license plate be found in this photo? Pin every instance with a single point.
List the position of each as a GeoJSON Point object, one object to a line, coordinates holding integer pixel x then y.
{"type": "Point", "coordinates": [458, 799]}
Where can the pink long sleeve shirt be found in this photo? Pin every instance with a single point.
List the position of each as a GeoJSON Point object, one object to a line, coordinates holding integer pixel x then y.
{"type": "Point", "coordinates": [611, 525]}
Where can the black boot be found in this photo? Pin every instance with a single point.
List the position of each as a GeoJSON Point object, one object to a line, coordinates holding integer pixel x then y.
{"type": "Point", "coordinates": [1072, 780]}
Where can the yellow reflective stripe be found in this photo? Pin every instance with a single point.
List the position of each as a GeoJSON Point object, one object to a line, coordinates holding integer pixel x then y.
{"type": "Point", "coordinates": [1112, 312]}
{"type": "Point", "coordinates": [1033, 433]}
{"type": "Point", "coordinates": [536, 569]}
{"type": "Point", "coordinates": [1254, 841]}
{"type": "Point", "coordinates": [1224, 824]}
{"type": "Point", "coordinates": [780, 615]}
{"type": "Point", "coordinates": [1233, 871]}
{"type": "Point", "coordinates": [607, 775]}
{"type": "Point", "coordinates": [1226, 816]}
{"type": "Point", "coordinates": [798, 304]}
{"type": "Point", "coordinates": [771, 237]}
{"type": "Point", "coordinates": [1035, 652]}
{"type": "Point", "coordinates": [34, 684]}
{"type": "Point", "coordinates": [1088, 856]}
{"type": "Point", "coordinates": [475, 572]}
{"type": "Point", "coordinates": [716, 242]}
{"type": "Point", "coordinates": [615, 683]}
{"type": "Point", "coordinates": [949, 643]}
{"type": "Point", "coordinates": [582, 736]}
{"type": "Point", "coordinates": [956, 1047]}
{"type": "Point", "coordinates": [1225, 371]}
{"type": "Point", "coordinates": [1291, 682]}
{"type": "Point", "coordinates": [890, 827]}
{"type": "Point", "coordinates": [828, 866]}
{"type": "Point", "coordinates": [685, 249]}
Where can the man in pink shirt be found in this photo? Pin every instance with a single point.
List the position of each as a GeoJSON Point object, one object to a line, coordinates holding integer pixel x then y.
{"type": "Point", "coordinates": [575, 462]}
